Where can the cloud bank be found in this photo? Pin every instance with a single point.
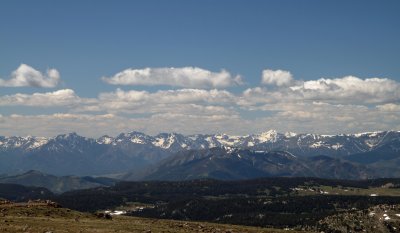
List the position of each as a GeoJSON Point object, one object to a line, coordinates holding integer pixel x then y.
{"type": "Point", "coordinates": [64, 97]}
{"type": "Point", "coordinates": [327, 105]}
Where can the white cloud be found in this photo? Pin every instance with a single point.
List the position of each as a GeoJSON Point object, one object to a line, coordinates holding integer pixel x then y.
{"type": "Point", "coordinates": [191, 77]}
{"type": "Point", "coordinates": [62, 97]}
{"type": "Point", "coordinates": [26, 76]}
{"type": "Point", "coordinates": [346, 90]}
{"type": "Point", "coordinates": [276, 77]}
{"type": "Point", "coordinates": [389, 107]}
{"type": "Point", "coordinates": [350, 89]}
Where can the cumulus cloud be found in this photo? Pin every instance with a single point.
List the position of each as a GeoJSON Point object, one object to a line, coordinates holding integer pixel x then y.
{"type": "Point", "coordinates": [62, 97]}
{"type": "Point", "coordinates": [350, 89]}
{"type": "Point", "coordinates": [190, 77]}
{"type": "Point", "coordinates": [26, 76]}
{"type": "Point", "coordinates": [346, 90]}
{"type": "Point", "coordinates": [276, 77]}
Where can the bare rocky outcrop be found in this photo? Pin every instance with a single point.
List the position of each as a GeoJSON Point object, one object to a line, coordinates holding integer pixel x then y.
{"type": "Point", "coordinates": [377, 219]}
{"type": "Point", "coordinates": [43, 202]}
{"type": "Point", "coordinates": [5, 202]}
{"type": "Point", "coordinates": [104, 216]}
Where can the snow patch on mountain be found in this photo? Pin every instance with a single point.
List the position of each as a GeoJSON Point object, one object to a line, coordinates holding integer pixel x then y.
{"type": "Point", "coordinates": [227, 140]}
{"type": "Point", "coordinates": [290, 134]}
{"type": "Point", "coordinates": [337, 146]}
{"type": "Point", "coordinates": [38, 142]}
{"type": "Point", "coordinates": [138, 141]}
{"type": "Point", "coordinates": [166, 141]}
{"type": "Point", "coordinates": [159, 142]}
{"type": "Point", "coordinates": [317, 144]}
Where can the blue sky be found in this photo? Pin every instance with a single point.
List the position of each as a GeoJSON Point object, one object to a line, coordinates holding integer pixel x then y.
{"type": "Point", "coordinates": [87, 40]}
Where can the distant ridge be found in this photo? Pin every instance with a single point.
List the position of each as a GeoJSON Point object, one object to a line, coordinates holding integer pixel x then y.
{"type": "Point", "coordinates": [56, 184]}
{"type": "Point", "coordinates": [238, 164]}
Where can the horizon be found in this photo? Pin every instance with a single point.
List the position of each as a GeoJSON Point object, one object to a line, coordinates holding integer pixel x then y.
{"type": "Point", "coordinates": [199, 67]}
{"type": "Point", "coordinates": [206, 134]}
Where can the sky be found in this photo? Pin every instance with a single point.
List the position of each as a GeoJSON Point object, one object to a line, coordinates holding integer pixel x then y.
{"type": "Point", "coordinates": [237, 67]}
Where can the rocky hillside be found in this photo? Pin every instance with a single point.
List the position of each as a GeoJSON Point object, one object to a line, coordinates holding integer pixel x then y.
{"type": "Point", "coordinates": [377, 219]}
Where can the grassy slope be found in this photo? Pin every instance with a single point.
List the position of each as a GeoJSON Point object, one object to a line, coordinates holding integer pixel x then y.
{"type": "Point", "coordinates": [42, 219]}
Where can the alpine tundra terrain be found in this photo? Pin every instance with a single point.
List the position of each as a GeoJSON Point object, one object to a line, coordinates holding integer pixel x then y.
{"type": "Point", "coordinates": [172, 156]}
{"type": "Point", "coordinates": [41, 217]}
{"type": "Point", "coordinates": [274, 204]}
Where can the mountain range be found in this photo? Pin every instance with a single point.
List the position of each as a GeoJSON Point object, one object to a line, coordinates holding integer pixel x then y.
{"type": "Point", "coordinates": [134, 155]}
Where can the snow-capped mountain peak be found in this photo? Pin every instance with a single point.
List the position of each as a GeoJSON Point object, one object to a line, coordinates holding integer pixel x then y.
{"type": "Point", "coordinates": [38, 142]}
{"type": "Point", "coordinates": [23, 143]}
{"type": "Point", "coordinates": [138, 137]}
{"type": "Point", "coordinates": [70, 137]}
{"type": "Point", "coordinates": [172, 141]}
{"type": "Point", "coordinates": [269, 136]}
{"type": "Point", "coordinates": [105, 140]}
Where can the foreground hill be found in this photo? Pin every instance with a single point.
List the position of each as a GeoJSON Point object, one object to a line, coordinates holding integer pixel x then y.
{"type": "Point", "coordinates": [54, 183]}
{"type": "Point", "coordinates": [42, 217]}
{"type": "Point", "coordinates": [18, 192]}
{"type": "Point", "coordinates": [73, 154]}
{"type": "Point", "coordinates": [23, 217]}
